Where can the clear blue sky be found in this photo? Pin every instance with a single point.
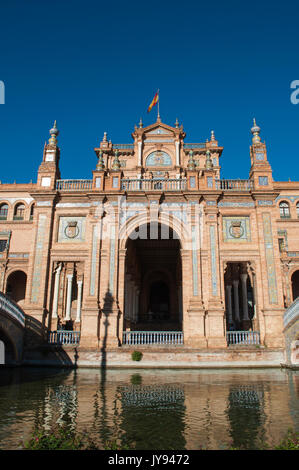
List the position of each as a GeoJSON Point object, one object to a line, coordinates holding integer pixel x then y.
{"type": "Point", "coordinates": [95, 66]}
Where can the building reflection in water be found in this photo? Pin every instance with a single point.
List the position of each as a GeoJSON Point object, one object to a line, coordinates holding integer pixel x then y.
{"type": "Point", "coordinates": [155, 409]}
{"type": "Point", "coordinates": [246, 416]}
{"type": "Point", "coordinates": [150, 405]}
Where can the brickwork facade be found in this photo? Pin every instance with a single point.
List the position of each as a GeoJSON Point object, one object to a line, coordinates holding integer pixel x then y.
{"type": "Point", "coordinates": [154, 241]}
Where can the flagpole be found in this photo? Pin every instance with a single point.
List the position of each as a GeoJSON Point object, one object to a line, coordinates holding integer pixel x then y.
{"type": "Point", "coordinates": [158, 118]}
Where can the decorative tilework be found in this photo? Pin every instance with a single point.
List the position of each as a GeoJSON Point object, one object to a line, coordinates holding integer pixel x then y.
{"type": "Point", "coordinates": [192, 181]}
{"type": "Point", "coordinates": [210, 182]}
{"type": "Point", "coordinates": [35, 289]}
{"type": "Point", "coordinates": [263, 180]}
{"type": "Point", "coordinates": [235, 204]}
{"type": "Point", "coordinates": [158, 158]}
{"type": "Point", "coordinates": [79, 235]}
{"type": "Point", "coordinates": [194, 261]}
{"type": "Point", "coordinates": [236, 229]}
{"type": "Point", "coordinates": [93, 259]}
{"type": "Point", "coordinates": [270, 258]}
{"type": "Point", "coordinates": [290, 198]}
{"type": "Point", "coordinates": [213, 260]}
{"type": "Point", "coordinates": [265, 203]}
{"type": "Point", "coordinates": [112, 260]}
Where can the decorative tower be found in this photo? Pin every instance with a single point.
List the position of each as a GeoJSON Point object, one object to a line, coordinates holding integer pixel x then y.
{"type": "Point", "coordinates": [260, 171]}
{"type": "Point", "coordinates": [48, 171]}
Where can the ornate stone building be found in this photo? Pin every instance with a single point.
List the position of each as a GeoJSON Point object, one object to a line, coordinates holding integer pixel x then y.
{"type": "Point", "coordinates": [155, 242]}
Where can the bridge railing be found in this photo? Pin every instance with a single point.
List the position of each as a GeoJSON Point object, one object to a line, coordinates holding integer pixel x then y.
{"type": "Point", "coordinates": [291, 313]}
{"type": "Point", "coordinates": [64, 337]}
{"type": "Point", "coordinates": [132, 338]}
{"type": "Point", "coordinates": [11, 308]}
{"type": "Point", "coordinates": [243, 337]}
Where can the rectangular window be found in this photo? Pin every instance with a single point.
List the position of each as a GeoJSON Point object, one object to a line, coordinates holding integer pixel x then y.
{"type": "Point", "coordinates": [210, 182]}
{"type": "Point", "coordinates": [98, 182]}
{"type": "Point", "coordinates": [115, 182]}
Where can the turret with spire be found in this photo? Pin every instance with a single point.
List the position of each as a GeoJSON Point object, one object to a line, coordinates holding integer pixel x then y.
{"type": "Point", "coordinates": [260, 171]}
{"type": "Point", "coordinates": [48, 171]}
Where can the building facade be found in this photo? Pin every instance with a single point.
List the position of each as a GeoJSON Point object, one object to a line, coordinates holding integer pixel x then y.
{"type": "Point", "coordinates": [156, 242]}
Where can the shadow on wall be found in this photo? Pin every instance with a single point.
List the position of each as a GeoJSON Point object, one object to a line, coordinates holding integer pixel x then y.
{"type": "Point", "coordinates": [38, 352]}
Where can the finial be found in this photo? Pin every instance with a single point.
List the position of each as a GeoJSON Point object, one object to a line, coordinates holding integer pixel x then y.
{"type": "Point", "coordinates": [101, 164]}
{"type": "Point", "coordinates": [105, 137]}
{"type": "Point", "coordinates": [191, 162]}
{"type": "Point", "coordinates": [209, 163]}
{"type": "Point", "coordinates": [140, 123]}
{"type": "Point", "coordinates": [177, 123]}
{"type": "Point", "coordinates": [53, 133]}
{"type": "Point", "coordinates": [212, 136]}
{"type": "Point", "coordinates": [116, 162]}
{"type": "Point", "coordinates": [255, 130]}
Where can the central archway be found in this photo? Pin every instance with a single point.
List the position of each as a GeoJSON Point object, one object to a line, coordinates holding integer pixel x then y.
{"type": "Point", "coordinates": [153, 280]}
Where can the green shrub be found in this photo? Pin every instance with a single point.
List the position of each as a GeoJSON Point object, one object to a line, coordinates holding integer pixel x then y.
{"type": "Point", "coordinates": [136, 356]}
{"type": "Point", "coordinates": [58, 438]}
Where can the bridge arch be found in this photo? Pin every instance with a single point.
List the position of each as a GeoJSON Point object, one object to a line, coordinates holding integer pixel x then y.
{"type": "Point", "coordinates": [12, 328]}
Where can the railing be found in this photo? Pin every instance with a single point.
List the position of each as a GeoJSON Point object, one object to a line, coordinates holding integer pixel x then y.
{"type": "Point", "coordinates": [291, 313]}
{"type": "Point", "coordinates": [63, 337]}
{"type": "Point", "coordinates": [73, 185]}
{"type": "Point", "coordinates": [234, 185]}
{"type": "Point", "coordinates": [132, 338]}
{"type": "Point", "coordinates": [11, 308]}
{"type": "Point", "coordinates": [123, 146]}
{"type": "Point", "coordinates": [293, 254]}
{"type": "Point", "coordinates": [194, 146]}
{"type": "Point", "coordinates": [243, 337]}
{"type": "Point", "coordinates": [153, 184]}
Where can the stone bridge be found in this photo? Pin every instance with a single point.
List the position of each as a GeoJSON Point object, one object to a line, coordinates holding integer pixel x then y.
{"type": "Point", "coordinates": [12, 331]}
{"type": "Point", "coordinates": [291, 332]}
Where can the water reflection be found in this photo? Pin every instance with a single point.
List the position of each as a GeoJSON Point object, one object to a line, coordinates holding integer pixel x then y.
{"type": "Point", "coordinates": [152, 409]}
{"type": "Point", "coordinates": [246, 416]}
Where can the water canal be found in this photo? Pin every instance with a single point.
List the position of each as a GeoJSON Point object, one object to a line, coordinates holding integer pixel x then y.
{"type": "Point", "coordinates": [152, 409]}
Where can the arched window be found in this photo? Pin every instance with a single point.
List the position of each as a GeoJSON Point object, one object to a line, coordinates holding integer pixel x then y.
{"type": "Point", "coordinates": [3, 211]}
{"type": "Point", "coordinates": [19, 212]}
{"type": "Point", "coordinates": [284, 210]}
{"type": "Point", "coordinates": [297, 209]}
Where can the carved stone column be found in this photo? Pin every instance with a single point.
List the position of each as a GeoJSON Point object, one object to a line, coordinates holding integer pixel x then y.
{"type": "Point", "coordinates": [236, 301]}
{"type": "Point", "coordinates": [79, 300]}
{"type": "Point", "coordinates": [246, 321]}
{"type": "Point", "coordinates": [56, 291]}
{"type": "Point", "coordinates": [228, 288]}
{"type": "Point", "coordinates": [69, 297]}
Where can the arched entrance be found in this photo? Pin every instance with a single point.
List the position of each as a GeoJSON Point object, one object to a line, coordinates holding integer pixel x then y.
{"type": "Point", "coordinates": [16, 286]}
{"type": "Point", "coordinates": [153, 279]}
{"type": "Point", "coordinates": [295, 285]}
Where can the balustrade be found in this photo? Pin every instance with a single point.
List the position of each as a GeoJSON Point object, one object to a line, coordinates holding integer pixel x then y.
{"type": "Point", "coordinates": [243, 337]}
{"type": "Point", "coordinates": [73, 185]}
{"type": "Point", "coordinates": [153, 184]}
{"type": "Point", "coordinates": [63, 337]}
{"type": "Point", "coordinates": [132, 338]}
{"type": "Point", "coordinates": [234, 185]}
